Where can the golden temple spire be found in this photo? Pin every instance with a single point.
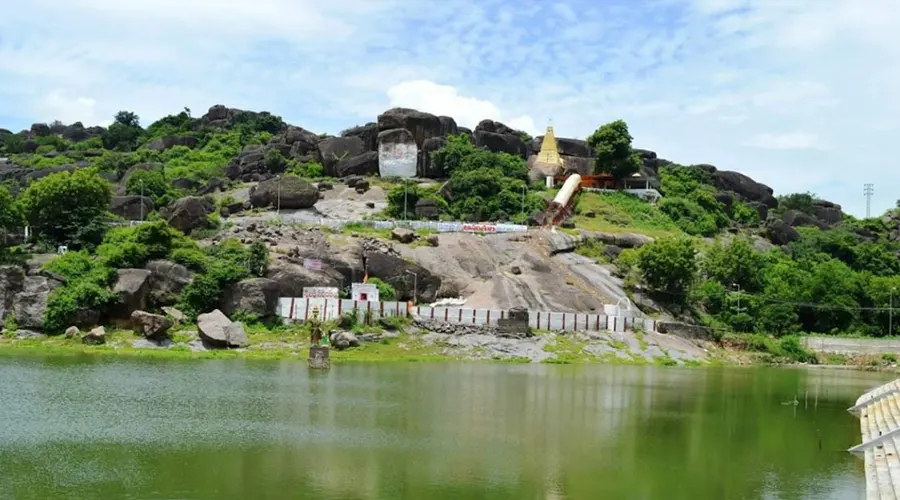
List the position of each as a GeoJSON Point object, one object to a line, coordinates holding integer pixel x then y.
{"type": "Point", "coordinates": [549, 155]}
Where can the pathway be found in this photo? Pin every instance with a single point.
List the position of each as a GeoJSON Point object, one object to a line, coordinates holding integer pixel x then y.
{"type": "Point", "coordinates": [879, 421]}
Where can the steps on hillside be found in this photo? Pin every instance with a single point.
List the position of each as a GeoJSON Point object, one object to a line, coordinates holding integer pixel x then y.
{"type": "Point", "coordinates": [879, 423]}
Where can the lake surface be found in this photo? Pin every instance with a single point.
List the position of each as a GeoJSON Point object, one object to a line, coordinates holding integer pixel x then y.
{"type": "Point", "coordinates": [117, 428]}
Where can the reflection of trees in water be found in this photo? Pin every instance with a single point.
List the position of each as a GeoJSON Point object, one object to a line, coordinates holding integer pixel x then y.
{"type": "Point", "coordinates": [241, 429]}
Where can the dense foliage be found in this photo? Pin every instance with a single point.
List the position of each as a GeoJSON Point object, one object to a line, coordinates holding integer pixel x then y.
{"type": "Point", "coordinates": [65, 207]}
{"type": "Point", "coordinates": [483, 186]}
{"type": "Point", "coordinates": [613, 154]}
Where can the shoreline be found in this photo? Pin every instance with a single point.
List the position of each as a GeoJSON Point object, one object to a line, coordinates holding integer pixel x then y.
{"type": "Point", "coordinates": [430, 347]}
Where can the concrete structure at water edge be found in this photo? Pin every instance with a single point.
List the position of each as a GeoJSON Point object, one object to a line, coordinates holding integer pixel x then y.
{"type": "Point", "coordinates": [879, 422]}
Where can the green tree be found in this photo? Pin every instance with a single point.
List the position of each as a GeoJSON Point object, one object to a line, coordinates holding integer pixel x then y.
{"type": "Point", "coordinates": [258, 260]}
{"type": "Point", "coordinates": [62, 205]}
{"type": "Point", "coordinates": [124, 133]}
{"type": "Point", "coordinates": [669, 265]}
{"type": "Point", "coordinates": [150, 183]}
{"type": "Point", "coordinates": [612, 150]}
{"type": "Point", "coordinates": [734, 264]}
{"type": "Point", "coordinates": [10, 212]}
{"type": "Point", "coordinates": [13, 144]}
{"type": "Point", "coordinates": [448, 158]}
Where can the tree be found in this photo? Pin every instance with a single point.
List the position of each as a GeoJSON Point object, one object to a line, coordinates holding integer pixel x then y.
{"type": "Point", "coordinates": [735, 263]}
{"type": "Point", "coordinates": [13, 143]}
{"type": "Point", "coordinates": [669, 265]}
{"type": "Point", "coordinates": [611, 144]}
{"type": "Point", "coordinates": [60, 206]}
{"type": "Point", "coordinates": [150, 183]}
{"type": "Point", "coordinates": [10, 214]}
{"type": "Point", "coordinates": [124, 133]}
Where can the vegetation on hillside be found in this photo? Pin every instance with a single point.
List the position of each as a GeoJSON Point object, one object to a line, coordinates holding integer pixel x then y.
{"type": "Point", "coordinates": [705, 260]}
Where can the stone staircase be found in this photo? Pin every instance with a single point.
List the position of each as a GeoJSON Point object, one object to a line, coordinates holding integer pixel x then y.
{"type": "Point", "coordinates": [879, 421]}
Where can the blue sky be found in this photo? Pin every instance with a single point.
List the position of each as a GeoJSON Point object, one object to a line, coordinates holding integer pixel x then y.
{"type": "Point", "coordinates": [798, 94]}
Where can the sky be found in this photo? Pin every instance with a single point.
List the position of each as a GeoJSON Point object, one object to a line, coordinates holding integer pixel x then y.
{"type": "Point", "coordinates": [801, 95]}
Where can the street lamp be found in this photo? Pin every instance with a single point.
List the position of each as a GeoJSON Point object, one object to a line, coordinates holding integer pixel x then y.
{"type": "Point", "coordinates": [278, 198]}
{"type": "Point", "coordinates": [738, 296]}
{"type": "Point", "coordinates": [523, 200]}
{"type": "Point", "coordinates": [142, 199]}
{"type": "Point", "coordinates": [415, 286]}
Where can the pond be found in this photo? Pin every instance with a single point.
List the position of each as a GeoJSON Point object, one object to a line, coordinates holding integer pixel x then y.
{"type": "Point", "coordinates": [123, 428]}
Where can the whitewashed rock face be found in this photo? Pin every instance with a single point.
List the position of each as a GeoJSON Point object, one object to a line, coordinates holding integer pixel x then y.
{"type": "Point", "coordinates": [397, 153]}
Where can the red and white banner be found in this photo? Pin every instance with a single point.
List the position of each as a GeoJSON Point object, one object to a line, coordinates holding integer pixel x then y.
{"type": "Point", "coordinates": [479, 228]}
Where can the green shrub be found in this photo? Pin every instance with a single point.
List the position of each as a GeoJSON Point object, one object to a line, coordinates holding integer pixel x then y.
{"type": "Point", "coordinates": [86, 289]}
{"type": "Point", "coordinates": [386, 291]}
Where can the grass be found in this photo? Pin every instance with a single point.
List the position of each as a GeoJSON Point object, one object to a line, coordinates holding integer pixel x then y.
{"type": "Point", "coordinates": [622, 212]}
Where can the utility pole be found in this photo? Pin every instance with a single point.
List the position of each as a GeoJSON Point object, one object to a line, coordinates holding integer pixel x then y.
{"type": "Point", "coordinates": [868, 191]}
{"type": "Point", "coordinates": [278, 202]}
{"type": "Point", "coordinates": [142, 199]}
{"type": "Point", "coordinates": [891, 313]}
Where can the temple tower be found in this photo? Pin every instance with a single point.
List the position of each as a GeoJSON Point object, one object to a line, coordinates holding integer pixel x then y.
{"type": "Point", "coordinates": [548, 158]}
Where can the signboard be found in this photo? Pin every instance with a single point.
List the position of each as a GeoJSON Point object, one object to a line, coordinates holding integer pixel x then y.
{"type": "Point", "coordinates": [397, 159]}
{"type": "Point", "coordinates": [479, 228]}
{"type": "Point", "coordinates": [364, 291]}
{"type": "Point", "coordinates": [321, 292]}
{"type": "Point", "coordinates": [314, 264]}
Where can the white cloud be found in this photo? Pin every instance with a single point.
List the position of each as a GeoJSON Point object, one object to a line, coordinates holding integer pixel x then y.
{"type": "Point", "coordinates": [759, 86]}
{"type": "Point", "coordinates": [787, 140]}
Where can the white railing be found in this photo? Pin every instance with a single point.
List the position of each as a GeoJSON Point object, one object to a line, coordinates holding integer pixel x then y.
{"type": "Point", "coordinates": [301, 309]}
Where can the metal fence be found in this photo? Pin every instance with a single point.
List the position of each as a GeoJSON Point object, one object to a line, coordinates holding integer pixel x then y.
{"type": "Point", "coordinates": [301, 309]}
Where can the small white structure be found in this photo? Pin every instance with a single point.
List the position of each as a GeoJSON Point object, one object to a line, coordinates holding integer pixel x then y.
{"type": "Point", "coordinates": [364, 291]}
{"type": "Point", "coordinates": [62, 249]}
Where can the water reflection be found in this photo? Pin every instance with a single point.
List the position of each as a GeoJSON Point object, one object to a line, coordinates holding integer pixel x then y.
{"type": "Point", "coordinates": [241, 429]}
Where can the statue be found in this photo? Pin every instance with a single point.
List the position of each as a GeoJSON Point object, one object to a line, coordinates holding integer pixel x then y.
{"type": "Point", "coordinates": [318, 344]}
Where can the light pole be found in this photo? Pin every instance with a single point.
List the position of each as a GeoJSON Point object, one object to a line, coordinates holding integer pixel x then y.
{"type": "Point", "coordinates": [738, 296]}
{"type": "Point", "coordinates": [891, 312]}
{"type": "Point", "coordinates": [278, 198]}
{"type": "Point", "coordinates": [142, 199]}
{"type": "Point", "coordinates": [415, 286]}
{"type": "Point", "coordinates": [523, 200]}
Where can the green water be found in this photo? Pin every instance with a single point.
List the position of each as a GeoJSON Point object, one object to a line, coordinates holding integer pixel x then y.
{"type": "Point", "coordinates": [107, 428]}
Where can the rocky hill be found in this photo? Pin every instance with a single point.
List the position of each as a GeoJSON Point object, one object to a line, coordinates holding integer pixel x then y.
{"type": "Point", "coordinates": [220, 178]}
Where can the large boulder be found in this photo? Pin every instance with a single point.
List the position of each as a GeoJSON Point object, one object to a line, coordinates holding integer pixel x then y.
{"type": "Point", "coordinates": [426, 166]}
{"type": "Point", "coordinates": [501, 143]}
{"type": "Point", "coordinates": [427, 208]}
{"type": "Point", "coordinates": [795, 218]}
{"type": "Point", "coordinates": [398, 153]}
{"type": "Point", "coordinates": [368, 133]}
{"type": "Point", "coordinates": [189, 213]}
{"type": "Point", "coordinates": [365, 164]}
{"type": "Point", "coordinates": [780, 233]}
{"type": "Point", "coordinates": [30, 303]}
{"type": "Point", "coordinates": [250, 161]}
{"type": "Point", "coordinates": [167, 280]}
{"type": "Point", "coordinates": [744, 186]}
{"type": "Point", "coordinates": [258, 296]}
{"type": "Point", "coordinates": [215, 330]}
{"type": "Point", "coordinates": [131, 207]}
{"type": "Point", "coordinates": [151, 326]}
{"type": "Point", "coordinates": [132, 290]}
{"type": "Point", "coordinates": [827, 212]}
{"type": "Point", "coordinates": [399, 273]}
{"type": "Point", "coordinates": [342, 340]}
{"type": "Point", "coordinates": [448, 126]}
{"type": "Point", "coordinates": [334, 149]}
{"type": "Point", "coordinates": [421, 125]}
{"type": "Point", "coordinates": [288, 192]}
{"type": "Point", "coordinates": [12, 281]}
{"type": "Point", "coordinates": [291, 279]}
{"type": "Point", "coordinates": [302, 142]}
{"type": "Point", "coordinates": [170, 141]}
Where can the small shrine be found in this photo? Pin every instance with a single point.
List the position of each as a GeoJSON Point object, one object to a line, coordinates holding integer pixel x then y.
{"type": "Point", "coordinates": [318, 343]}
